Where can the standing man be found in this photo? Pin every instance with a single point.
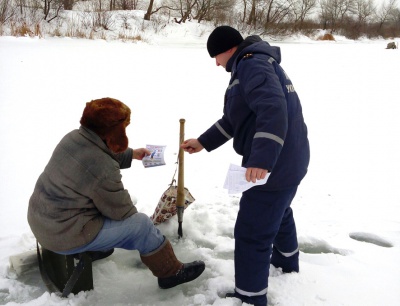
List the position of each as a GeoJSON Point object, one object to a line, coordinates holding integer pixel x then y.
{"type": "Point", "coordinates": [263, 115]}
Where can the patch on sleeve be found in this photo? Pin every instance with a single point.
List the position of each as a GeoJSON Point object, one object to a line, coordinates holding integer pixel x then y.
{"type": "Point", "coordinates": [247, 55]}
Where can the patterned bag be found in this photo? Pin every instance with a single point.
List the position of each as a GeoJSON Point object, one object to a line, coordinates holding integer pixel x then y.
{"type": "Point", "coordinates": [166, 207]}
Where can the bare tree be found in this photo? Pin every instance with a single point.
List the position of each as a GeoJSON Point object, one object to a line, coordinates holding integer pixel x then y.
{"type": "Point", "coordinates": [364, 12]}
{"type": "Point", "coordinates": [21, 4]}
{"type": "Point", "coordinates": [396, 18]}
{"type": "Point", "coordinates": [301, 9]}
{"type": "Point", "coordinates": [334, 12]}
{"type": "Point", "coordinates": [7, 11]}
{"type": "Point", "coordinates": [49, 6]}
{"type": "Point", "coordinates": [365, 9]}
{"type": "Point", "coordinates": [267, 12]}
{"type": "Point", "coordinates": [346, 9]}
{"type": "Point", "coordinates": [128, 4]}
{"type": "Point", "coordinates": [275, 12]}
{"type": "Point", "coordinates": [184, 7]}
{"type": "Point", "coordinates": [202, 9]}
{"type": "Point", "coordinates": [386, 12]}
{"type": "Point", "coordinates": [252, 15]}
{"type": "Point", "coordinates": [207, 9]}
{"type": "Point", "coordinates": [149, 10]}
{"type": "Point", "coordinates": [244, 10]}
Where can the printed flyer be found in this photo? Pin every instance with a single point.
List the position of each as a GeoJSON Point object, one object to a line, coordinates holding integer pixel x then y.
{"type": "Point", "coordinates": [156, 158]}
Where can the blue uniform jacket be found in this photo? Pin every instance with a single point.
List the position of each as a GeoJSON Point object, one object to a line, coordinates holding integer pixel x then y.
{"type": "Point", "coordinates": [263, 115]}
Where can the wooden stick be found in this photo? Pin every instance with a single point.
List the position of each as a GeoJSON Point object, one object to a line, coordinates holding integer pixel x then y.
{"type": "Point", "coordinates": [180, 199]}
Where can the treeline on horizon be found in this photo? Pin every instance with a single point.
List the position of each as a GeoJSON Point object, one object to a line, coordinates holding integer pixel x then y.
{"type": "Point", "coordinates": [350, 18]}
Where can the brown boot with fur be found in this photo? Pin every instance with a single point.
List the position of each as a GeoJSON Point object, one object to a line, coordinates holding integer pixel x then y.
{"type": "Point", "coordinates": [169, 270]}
{"type": "Point", "coordinates": [162, 262]}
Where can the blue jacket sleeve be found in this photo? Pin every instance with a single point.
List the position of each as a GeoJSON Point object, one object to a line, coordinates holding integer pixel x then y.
{"type": "Point", "coordinates": [219, 133]}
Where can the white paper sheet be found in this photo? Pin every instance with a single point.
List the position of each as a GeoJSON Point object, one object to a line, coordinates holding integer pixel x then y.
{"type": "Point", "coordinates": [235, 180]}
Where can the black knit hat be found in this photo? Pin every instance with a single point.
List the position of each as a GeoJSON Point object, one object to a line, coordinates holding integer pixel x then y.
{"type": "Point", "coordinates": [222, 39]}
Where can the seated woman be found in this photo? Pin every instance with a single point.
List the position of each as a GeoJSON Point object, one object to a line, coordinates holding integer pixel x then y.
{"type": "Point", "coordinates": [79, 203]}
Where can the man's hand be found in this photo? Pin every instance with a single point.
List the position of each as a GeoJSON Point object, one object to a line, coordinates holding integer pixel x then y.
{"type": "Point", "coordinates": [191, 146]}
{"type": "Point", "coordinates": [253, 174]}
{"type": "Point", "coordinates": [140, 153]}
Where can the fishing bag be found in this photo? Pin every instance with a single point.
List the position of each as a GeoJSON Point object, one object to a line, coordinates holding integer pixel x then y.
{"type": "Point", "coordinates": [166, 207]}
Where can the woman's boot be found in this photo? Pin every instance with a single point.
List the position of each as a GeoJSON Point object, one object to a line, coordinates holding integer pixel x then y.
{"type": "Point", "coordinates": [169, 270]}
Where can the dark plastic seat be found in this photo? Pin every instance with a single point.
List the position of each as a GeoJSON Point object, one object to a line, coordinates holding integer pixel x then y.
{"type": "Point", "coordinates": [66, 273]}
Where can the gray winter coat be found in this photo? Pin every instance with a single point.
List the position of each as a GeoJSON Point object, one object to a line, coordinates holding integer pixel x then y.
{"type": "Point", "coordinates": [80, 186]}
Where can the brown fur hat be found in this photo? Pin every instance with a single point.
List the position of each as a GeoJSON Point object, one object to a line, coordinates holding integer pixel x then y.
{"type": "Point", "coordinates": [108, 118]}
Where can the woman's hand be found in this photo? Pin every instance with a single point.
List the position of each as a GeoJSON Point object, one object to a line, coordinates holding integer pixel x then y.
{"type": "Point", "coordinates": [140, 153]}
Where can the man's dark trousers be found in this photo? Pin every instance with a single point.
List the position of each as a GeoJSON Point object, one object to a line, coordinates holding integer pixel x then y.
{"type": "Point", "coordinates": [264, 219]}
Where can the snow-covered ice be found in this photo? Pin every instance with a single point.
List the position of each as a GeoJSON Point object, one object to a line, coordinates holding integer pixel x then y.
{"type": "Point", "coordinates": [347, 208]}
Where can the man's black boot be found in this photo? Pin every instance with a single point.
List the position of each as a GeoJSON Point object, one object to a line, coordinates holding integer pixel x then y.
{"type": "Point", "coordinates": [288, 264]}
{"type": "Point", "coordinates": [259, 300]}
{"type": "Point", "coordinates": [187, 273]}
{"type": "Point", "coordinates": [168, 269]}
